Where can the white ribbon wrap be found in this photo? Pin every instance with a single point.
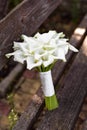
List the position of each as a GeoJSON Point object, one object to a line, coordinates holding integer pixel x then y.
{"type": "Point", "coordinates": [47, 83]}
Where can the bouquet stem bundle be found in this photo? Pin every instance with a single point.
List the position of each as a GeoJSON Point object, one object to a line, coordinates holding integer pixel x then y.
{"type": "Point", "coordinates": [48, 90]}
{"type": "Point", "coordinates": [51, 102]}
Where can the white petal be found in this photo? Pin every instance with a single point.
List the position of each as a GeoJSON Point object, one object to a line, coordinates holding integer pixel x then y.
{"type": "Point", "coordinates": [53, 42]}
{"type": "Point", "coordinates": [73, 48]}
{"type": "Point", "coordinates": [9, 55]}
{"type": "Point", "coordinates": [32, 43]}
{"type": "Point", "coordinates": [59, 35]}
{"type": "Point", "coordinates": [37, 56]}
{"type": "Point", "coordinates": [30, 40]}
{"type": "Point", "coordinates": [45, 37]}
{"type": "Point", "coordinates": [60, 54]}
{"type": "Point", "coordinates": [31, 63]}
{"type": "Point", "coordinates": [49, 61]}
{"type": "Point", "coordinates": [16, 45]}
{"type": "Point", "coordinates": [18, 56]}
{"type": "Point", "coordinates": [64, 46]}
{"type": "Point", "coordinates": [25, 38]}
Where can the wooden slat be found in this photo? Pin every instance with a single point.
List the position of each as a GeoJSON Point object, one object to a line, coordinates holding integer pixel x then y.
{"type": "Point", "coordinates": [76, 40]}
{"type": "Point", "coordinates": [34, 107]}
{"type": "Point", "coordinates": [71, 96]}
{"type": "Point", "coordinates": [3, 8]}
{"type": "Point", "coordinates": [5, 84]}
{"type": "Point", "coordinates": [31, 114]}
{"type": "Point", "coordinates": [24, 19]}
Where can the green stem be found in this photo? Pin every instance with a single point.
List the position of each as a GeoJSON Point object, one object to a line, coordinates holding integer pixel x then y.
{"type": "Point", "coordinates": [51, 102]}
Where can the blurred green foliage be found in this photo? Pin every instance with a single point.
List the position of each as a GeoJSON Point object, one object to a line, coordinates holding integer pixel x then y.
{"type": "Point", "coordinates": [75, 10]}
{"type": "Point", "coordinates": [12, 118]}
{"type": "Point", "coordinates": [13, 115]}
{"type": "Point", "coordinates": [13, 3]}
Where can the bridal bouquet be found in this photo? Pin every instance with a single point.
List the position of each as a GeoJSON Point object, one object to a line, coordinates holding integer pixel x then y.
{"type": "Point", "coordinates": [41, 52]}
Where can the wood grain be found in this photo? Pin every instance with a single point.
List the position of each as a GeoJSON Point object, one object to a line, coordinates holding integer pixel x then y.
{"type": "Point", "coordinates": [24, 19]}
{"type": "Point", "coordinates": [6, 82]}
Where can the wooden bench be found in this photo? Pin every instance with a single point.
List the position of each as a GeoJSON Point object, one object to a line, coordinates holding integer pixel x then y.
{"type": "Point", "coordinates": [69, 78]}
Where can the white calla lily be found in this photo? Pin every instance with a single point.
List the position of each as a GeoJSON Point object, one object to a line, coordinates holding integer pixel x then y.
{"type": "Point", "coordinates": [31, 63]}
{"type": "Point", "coordinates": [18, 56]}
{"type": "Point", "coordinates": [42, 49]}
{"type": "Point", "coordinates": [60, 54]}
{"type": "Point", "coordinates": [48, 59]}
{"type": "Point", "coordinates": [32, 43]}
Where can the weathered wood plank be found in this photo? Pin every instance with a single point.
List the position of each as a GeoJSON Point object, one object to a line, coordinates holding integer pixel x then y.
{"type": "Point", "coordinates": [34, 107]}
{"type": "Point", "coordinates": [76, 40]}
{"type": "Point", "coordinates": [3, 8]}
{"type": "Point", "coordinates": [5, 84]}
{"type": "Point", "coordinates": [24, 19]}
{"type": "Point", "coordinates": [71, 96]}
{"type": "Point", "coordinates": [32, 112]}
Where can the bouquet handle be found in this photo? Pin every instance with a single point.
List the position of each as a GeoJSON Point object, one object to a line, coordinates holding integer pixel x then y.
{"type": "Point", "coordinates": [48, 90]}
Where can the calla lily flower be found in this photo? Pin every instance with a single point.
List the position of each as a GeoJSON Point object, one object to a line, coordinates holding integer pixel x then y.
{"type": "Point", "coordinates": [42, 49]}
